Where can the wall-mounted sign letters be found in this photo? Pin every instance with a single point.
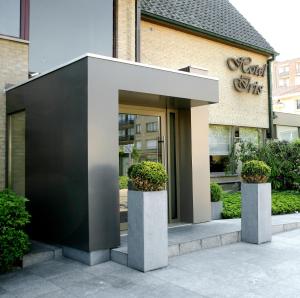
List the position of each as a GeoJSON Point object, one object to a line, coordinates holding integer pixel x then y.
{"type": "Point", "coordinates": [244, 84]}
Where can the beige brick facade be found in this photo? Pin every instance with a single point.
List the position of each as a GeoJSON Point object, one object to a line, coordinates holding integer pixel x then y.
{"type": "Point", "coordinates": [167, 47]}
{"type": "Point", "coordinates": [126, 30]}
{"type": "Point", "coordinates": [13, 69]}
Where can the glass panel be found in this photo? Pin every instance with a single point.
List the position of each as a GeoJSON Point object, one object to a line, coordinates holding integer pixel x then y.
{"type": "Point", "coordinates": [136, 143]}
{"type": "Point", "coordinates": [219, 140]}
{"type": "Point", "coordinates": [16, 161]}
{"type": "Point", "coordinates": [10, 17]}
{"type": "Point", "coordinates": [249, 135]}
{"type": "Point", "coordinates": [287, 133]}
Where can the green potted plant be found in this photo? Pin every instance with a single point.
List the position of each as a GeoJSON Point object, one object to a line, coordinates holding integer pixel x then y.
{"type": "Point", "coordinates": [216, 196]}
{"type": "Point", "coordinates": [256, 202]}
{"type": "Point", "coordinates": [147, 216]}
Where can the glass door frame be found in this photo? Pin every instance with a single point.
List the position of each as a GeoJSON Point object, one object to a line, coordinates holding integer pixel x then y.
{"type": "Point", "coordinates": [164, 115]}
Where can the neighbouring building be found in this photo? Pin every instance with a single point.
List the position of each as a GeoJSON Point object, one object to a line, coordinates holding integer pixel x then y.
{"type": "Point", "coordinates": [14, 47]}
{"type": "Point", "coordinates": [286, 99]}
{"type": "Point", "coordinates": [190, 79]}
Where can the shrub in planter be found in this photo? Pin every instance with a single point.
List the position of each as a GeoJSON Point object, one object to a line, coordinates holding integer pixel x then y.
{"type": "Point", "coordinates": [256, 202]}
{"type": "Point", "coordinates": [147, 217]}
{"type": "Point", "coordinates": [14, 242]}
{"type": "Point", "coordinates": [216, 192]}
{"type": "Point", "coordinates": [216, 195]}
{"type": "Point", "coordinates": [148, 176]}
{"type": "Point", "coordinates": [255, 171]}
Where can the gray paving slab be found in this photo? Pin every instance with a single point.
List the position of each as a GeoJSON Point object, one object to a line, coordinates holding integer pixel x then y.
{"type": "Point", "coordinates": [236, 270]}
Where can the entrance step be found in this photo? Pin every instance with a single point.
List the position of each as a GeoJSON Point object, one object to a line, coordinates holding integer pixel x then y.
{"type": "Point", "coordinates": [190, 238]}
{"type": "Point", "coordinates": [41, 252]}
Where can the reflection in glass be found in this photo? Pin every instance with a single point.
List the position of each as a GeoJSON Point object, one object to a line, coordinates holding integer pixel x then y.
{"type": "Point", "coordinates": [139, 140]}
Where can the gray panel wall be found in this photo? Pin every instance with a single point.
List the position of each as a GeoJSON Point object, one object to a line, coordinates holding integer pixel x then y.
{"type": "Point", "coordinates": [61, 30]}
{"type": "Point", "coordinates": [56, 154]}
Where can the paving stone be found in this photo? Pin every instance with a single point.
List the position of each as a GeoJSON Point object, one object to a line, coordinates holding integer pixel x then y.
{"type": "Point", "coordinates": [290, 226]}
{"type": "Point", "coordinates": [211, 242]}
{"type": "Point", "coordinates": [190, 246]}
{"type": "Point", "coordinates": [277, 229]}
{"type": "Point", "coordinates": [119, 257]}
{"type": "Point", "coordinates": [229, 238]}
{"type": "Point", "coordinates": [173, 250]}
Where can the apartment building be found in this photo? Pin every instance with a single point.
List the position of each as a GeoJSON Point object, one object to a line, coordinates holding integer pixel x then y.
{"type": "Point", "coordinates": [286, 99]}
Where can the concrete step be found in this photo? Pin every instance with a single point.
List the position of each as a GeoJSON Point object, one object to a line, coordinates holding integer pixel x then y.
{"type": "Point", "coordinates": [40, 252]}
{"type": "Point", "coordinates": [120, 254]}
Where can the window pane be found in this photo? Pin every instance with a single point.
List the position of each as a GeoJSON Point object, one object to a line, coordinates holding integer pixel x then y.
{"type": "Point", "coordinates": [219, 140]}
{"type": "Point", "coordinates": [249, 135]}
{"type": "Point", "coordinates": [287, 133]}
{"type": "Point", "coordinates": [10, 17]}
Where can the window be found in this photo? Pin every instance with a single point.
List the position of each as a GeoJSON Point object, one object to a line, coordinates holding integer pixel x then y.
{"type": "Point", "coordinates": [122, 117]}
{"type": "Point", "coordinates": [14, 18]}
{"type": "Point", "coordinates": [151, 127]}
{"type": "Point", "coordinates": [10, 17]}
{"type": "Point", "coordinates": [284, 70]}
{"type": "Point", "coordinates": [138, 128]}
{"type": "Point", "coordinates": [298, 67]}
{"type": "Point", "coordinates": [131, 131]}
{"type": "Point", "coordinates": [297, 80]}
{"type": "Point", "coordinates": [298, 104]}
{"type": "Point", "coordinates": [287, 133]}
{"type": "Point", "coordinates": [219, 147]}
{"type": "Point", "coordinates": [131, 117]}
{"type": "Point", "coordinates": [151, 144]}
{"type": "Point", "coordinates": [122, 133]}
{"type": "Point", "coordinates": [138, 145]}
{"type": "Point", "coordinates": [250, 135]}
{"type": "Point", "coordinates": [284, 82]}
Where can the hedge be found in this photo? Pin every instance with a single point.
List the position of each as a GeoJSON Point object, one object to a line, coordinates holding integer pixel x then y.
{"type": "Point", "coordinates": [283, 202]}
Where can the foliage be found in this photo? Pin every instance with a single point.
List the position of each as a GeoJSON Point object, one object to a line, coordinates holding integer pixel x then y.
{"type": "Point", "coordinates": [148, 176]}
{"type": "Point", "coordinates": [255, 171]}
{"type": "Point", "coordinates": [216, 192]}
{"type": "Point", "coordinates": [283, 202]}
{"type": "Point", "coordinates": [282, 157]}
{"type": "Point", "coordinates": [123, 182]}
{"type": "Point", "coordinates": [14, 242]}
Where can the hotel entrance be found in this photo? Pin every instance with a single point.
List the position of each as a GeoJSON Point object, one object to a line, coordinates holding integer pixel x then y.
{"type": "Point", "coordinates": [147, 135]}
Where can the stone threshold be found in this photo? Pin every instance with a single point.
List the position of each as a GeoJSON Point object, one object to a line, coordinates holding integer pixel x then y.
{"type": "Point", "coordinates": [40, 252]}
{"type": "Point", "coordinates": [206, 241]}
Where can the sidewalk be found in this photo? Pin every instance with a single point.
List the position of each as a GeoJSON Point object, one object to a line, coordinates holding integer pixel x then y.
{"type": "Point", "coordinates": [235, 271]}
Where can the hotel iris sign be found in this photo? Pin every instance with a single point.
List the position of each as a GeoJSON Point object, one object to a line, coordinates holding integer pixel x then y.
{"type": "Point", "coordinates": [244, 83]}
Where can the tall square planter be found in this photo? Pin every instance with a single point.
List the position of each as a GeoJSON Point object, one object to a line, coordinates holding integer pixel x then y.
{"type": "Point", "coordinates": [216, 210]}
{"type": "Point", "coordinates": [147, 230]}
{"type": "Point", "coordinates": [256, 213]}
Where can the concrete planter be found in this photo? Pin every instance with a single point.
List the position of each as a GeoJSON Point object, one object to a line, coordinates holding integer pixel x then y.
{"type": "Point", "coordinates": [256, 213]}
{"type": "Point", "coordinates": [147, 230]}
{"type": "Point", "coordinates": [216, 210]}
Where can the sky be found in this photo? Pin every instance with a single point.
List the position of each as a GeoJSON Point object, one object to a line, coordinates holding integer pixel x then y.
{"type": "Point", "coordinates": [277, 20]}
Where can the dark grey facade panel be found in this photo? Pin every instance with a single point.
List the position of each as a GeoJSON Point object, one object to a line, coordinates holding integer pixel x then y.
{"type": "Point", "coordinates": [56, 154]}
{"type": "Point", "coordinates": [61, 30]}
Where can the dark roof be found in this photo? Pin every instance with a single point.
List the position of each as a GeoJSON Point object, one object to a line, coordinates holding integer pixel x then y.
{"type": "Point", "coordinates": [218, 18]}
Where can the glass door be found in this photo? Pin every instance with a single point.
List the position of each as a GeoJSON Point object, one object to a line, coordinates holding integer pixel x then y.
{"type": "Point", "coordinates": [141, 138]}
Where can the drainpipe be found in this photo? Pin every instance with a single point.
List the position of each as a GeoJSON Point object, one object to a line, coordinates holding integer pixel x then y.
{"type": "Point", "coordinates": [270, 134]}
{"type": "Point", "coordinates": [138, 30]}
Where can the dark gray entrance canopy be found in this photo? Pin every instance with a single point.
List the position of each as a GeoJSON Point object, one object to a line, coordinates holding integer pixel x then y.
{"type": "Point", "coordinates": [72, 141]}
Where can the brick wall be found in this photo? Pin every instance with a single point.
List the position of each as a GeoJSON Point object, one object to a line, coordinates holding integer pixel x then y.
{"type": "Point", "coordinates": [167, 47]}
{"type": "Point", "coordinates": [13, 69]}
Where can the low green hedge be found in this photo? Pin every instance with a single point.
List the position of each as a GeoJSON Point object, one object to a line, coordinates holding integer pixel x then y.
{"type": "Point", "coordinates": [283, 202]}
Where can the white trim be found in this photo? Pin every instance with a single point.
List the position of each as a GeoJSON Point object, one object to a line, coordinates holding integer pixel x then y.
{"type": "Point", "coordinates": [113, 60]}
{"type": "Point", "coordinates": [287, 96]}
{"type": "Point", "coordinates": [16, 39]}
